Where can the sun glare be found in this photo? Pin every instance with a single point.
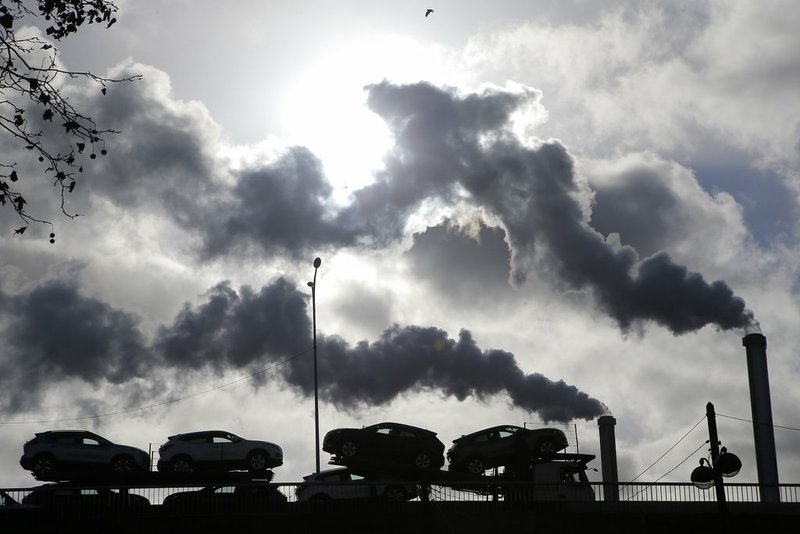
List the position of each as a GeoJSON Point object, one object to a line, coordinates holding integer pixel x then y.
{"type": "Point", "coordinates": [324, 107]}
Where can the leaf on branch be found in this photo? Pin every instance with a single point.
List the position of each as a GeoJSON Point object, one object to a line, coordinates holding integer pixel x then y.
{"type": "Point", "coordinates": [34, 83]}
{"type": "Point", "coordinates": [81, 147]}
{"type": "Point", "coordinates": [70, 125]}
{"type": "Point", "coordinates": [20, 202]}
{"type": "Point", "coordinates": [13, 176]}
{"type": "Point", "coordinates": [48, 115]}
{"type": "Point", "coordinates": [18, 120]}
{"type": "Point", "coordinates": [112, 21]}
{"type": "Point", "coordinates": [103, 90]}
{"type": "Point", "coordinates": [71, 187]}
{"type": "Point", "coordinates": [44, 98]}
{"type": "Point", "coordinates": [60, 176]}
{"type": "Point", "coordinates": [7, 20]}
{"type": "Point", "coordinates": [20, 230]}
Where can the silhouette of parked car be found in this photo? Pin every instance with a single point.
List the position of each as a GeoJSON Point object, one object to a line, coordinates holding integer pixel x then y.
{"type": "Point", "coordinates": [385, 445]}
{"type": "Point", "coordinates": [244, 497]}
{"type": "Point", "coordinates": [216, 450]}
{"type": "Point", "coordinates": [57, 451]}
{"type": "Point", "coordinates": [341, 483]}
{"type": "Point", "coordinates": [83, 498]}
{"type": "Point", "coordinates": [503, 445]}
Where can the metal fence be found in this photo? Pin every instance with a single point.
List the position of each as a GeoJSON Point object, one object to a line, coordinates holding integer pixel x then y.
{"type": "Point", "coordinates": [434, 491]}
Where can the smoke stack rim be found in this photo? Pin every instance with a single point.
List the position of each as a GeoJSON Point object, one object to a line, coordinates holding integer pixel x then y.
{"type": "Point", "coordinates": [756, 338]}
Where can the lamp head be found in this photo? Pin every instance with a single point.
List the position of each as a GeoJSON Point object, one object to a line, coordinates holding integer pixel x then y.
{"type": "Point", "coordinates": [317, 263]}
{"type": "Point", "coordinates": [703, 476]}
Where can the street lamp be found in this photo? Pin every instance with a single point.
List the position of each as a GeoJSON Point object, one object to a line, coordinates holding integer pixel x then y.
{"type": "Point", "coordinates": [313, 286]}
{"type": "Point", "coordinates": [722, 464]}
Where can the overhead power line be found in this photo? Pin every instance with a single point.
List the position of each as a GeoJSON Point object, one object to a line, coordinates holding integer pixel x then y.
{"type": "Point", "coordinates": [750, 421]}
{"type": "Point", "coordinates": [670, 449]}
{"type": "Point", "coordinates": [163, 403]}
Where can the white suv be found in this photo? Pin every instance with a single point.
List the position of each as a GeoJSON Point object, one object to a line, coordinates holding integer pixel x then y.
{"type": "Point", "coordinates": [216, 450]}
{"type": "Point", "coordinates": [340, 483]}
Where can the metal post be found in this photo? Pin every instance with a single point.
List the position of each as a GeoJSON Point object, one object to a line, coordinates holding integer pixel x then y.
{"type": "Point", "coordinates": [713, 438]}
{"type": "Point", "coordinates": [313, 285]}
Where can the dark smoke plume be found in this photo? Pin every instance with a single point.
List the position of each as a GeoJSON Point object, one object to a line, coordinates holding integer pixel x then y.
{"type": "Point", "coordinates": [247, 329]}
{"type": "Point", "coordinates": [54, 333]}
{"type": "Point", "coordinates": [443, 140]}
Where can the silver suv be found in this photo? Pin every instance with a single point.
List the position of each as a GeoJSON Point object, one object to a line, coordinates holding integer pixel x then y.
{"type": "Point", "coordinates": [59, 451]}
{"type": "Point", "coordinates": [216, 450]}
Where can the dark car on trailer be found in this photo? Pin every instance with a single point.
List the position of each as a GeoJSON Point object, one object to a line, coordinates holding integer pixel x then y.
{"type": "Point", "coordinates": [502, 446]}
{"type": "Point", "coordinates": [82, 498]}
{"type": "Point", "coordinates": [385, 446]}
{"type": "Point", "coordinates": [243, 497]}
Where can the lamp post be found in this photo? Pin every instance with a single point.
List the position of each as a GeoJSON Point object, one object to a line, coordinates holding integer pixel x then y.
{"type": "Point", "coordinates": [722, 464]}
{"type": "Point", "coordinates": [313, 286]}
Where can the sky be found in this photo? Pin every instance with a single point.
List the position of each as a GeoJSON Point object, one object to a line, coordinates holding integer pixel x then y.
{"type": "Point", "coordinates": [529, 212]}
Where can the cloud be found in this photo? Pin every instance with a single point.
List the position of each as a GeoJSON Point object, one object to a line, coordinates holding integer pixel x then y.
{"type": "Point", "coordinates": [465, 264]}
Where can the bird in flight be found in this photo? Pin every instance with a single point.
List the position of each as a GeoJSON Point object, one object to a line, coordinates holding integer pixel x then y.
{"type": "Point", "coordinates": [428, 12]}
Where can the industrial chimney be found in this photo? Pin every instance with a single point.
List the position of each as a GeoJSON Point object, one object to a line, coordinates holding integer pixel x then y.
{"type": "Point", "coordinates": [608, 458]}
{"type": "Point", "coordinates": [761, 407]}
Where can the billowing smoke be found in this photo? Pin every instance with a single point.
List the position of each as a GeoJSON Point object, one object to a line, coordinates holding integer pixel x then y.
{"type": "Point", "coordinates": [53, 333]}
{"type": "Point", "coordinates": [448, 147]}
{"type": "Point", "coordinates": [461, 149]}
{"type": "Point", "coordinates": [58, 334]}
{"type": "Point", "coordinates": [248, 329]}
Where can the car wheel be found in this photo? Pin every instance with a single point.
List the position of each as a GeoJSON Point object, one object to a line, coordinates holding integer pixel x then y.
{"type": "Point", "coordinates": [182, 464]}
{"type": "Point", "coordinates": [349, 448]}
{"type": "Point", "coordinates": [257, 461]}
{"type": "Point", "coordinates": [546, 448]}
{"type": "Point", "coordinates": [44, 464]}
{"type": "Point", "coordinates": [423, 461]}
{"type": "Point", "coordinates": [123, 464]}
{"type": "Point", "coordinates": [395, 494]}
{"type": "Point", "coordinates": [475, 466]}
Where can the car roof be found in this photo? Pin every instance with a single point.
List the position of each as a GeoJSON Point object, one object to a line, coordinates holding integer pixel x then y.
{"type": "Point", "coordinates": [326, 472]}
{"type": "Point", "coordinates": [202, 433]}
{"type": "Point", "coordinates": [500, 427]}
{"type": "Point", "coordinates": [67, 432]}
{"type": "Point", "coordinates": [391, 424]}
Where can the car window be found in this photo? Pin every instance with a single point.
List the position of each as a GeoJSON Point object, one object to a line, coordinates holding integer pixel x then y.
{"type": "Point", "coordinates": [225, 489]}
{"type": "Point", "coordinates": [404, 434]}
{"type": "Point", "coordinates": [221, 439]}
{"type": "Point", "coordinates": [197, 440]}
{"type": "Point", "coordinates": [570, 475]}
{"type": "Point", "coordinates": [65, 440]}
{"type": "Point", "coordinates": [385, 431]}
{"type": "Point", "coordinates": [90, 441]}
{"type": "Point", "coordinates": [505, 434]}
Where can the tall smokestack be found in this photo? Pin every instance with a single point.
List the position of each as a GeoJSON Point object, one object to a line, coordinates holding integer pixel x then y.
{"type": "Point", "coordinates": [761, 407]}
{"type": "Point", "coordinates": [608, 458]}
